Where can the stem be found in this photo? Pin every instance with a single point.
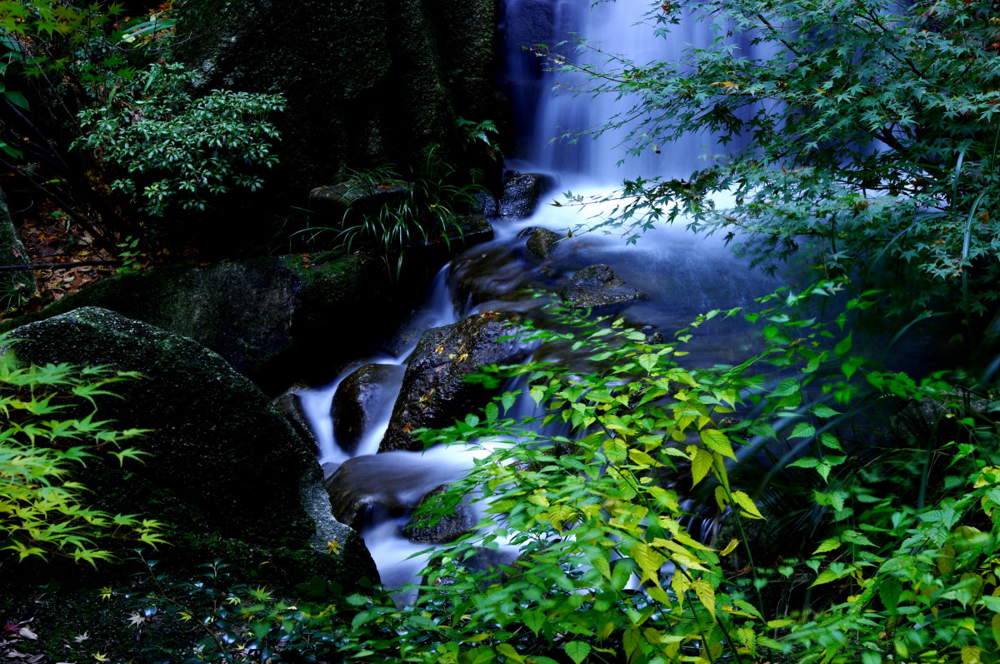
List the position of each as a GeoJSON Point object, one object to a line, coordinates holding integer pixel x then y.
{"type": "Point", "coordinates": [53, 266]}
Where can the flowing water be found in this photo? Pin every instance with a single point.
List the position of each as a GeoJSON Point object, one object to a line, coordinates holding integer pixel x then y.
{"type": "Point", "coordinates": [680, 274]}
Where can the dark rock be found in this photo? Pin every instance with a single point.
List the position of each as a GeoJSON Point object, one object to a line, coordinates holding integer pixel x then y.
{"type": "Point", "coordinates": [363, 399]}
{"type": "Point", "coordinates": [541, 241]}
{"type": "Point", "coordinates": [222, 461]}
{"type": "Point", "coordinates": [486, 204]}
{"type": "Point", "coordinates": [455, 522]}
{"type": "Point", "coordinates": [467, 231]}
{"type": "Point", "coordinates": [290, 405]}
{"type": "Point", "coordinates": [18, 285]}
{"type": "Point", "coordinates": [598, 286]}
{"type": "Point", "coordinates": [434, 392]}
{"type": "Point", "coordinates": [270, 318]}
{"type": "Point", "coordinates": [493, 273]}
{"type": "Point", "coordinates": [366, 82]}
{"type": "Point", "coordinates": [521, 192]}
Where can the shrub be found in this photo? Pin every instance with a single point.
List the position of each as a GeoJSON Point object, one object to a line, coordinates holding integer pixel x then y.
{"type": "Point", "coordinates": [179, 150]}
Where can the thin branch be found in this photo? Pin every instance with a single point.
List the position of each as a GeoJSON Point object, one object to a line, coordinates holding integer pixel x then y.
{"type": "Point", "coordinates": [53, 266]}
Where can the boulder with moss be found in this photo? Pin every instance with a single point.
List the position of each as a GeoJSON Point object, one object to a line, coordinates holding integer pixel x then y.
{"type": "Point", "coordinates": [223, 465]}
{"type": "Point", "coordinates": [15, 284]}
{"type": "Point", "coordinates": [274, 319]}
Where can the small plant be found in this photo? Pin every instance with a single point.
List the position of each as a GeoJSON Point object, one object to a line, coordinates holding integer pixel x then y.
{"type": "Point", "coordinates": [129, 254]}
{"type": "Point", "coordinates": [391, 213]}
{"type": "Point", "coordinates": [47, 433]}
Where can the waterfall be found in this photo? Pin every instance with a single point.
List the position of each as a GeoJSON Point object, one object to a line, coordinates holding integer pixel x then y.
{"type": "Point", "coordinates": [549, 103]}
{"type": "Point", "coordinates": [679, 273]}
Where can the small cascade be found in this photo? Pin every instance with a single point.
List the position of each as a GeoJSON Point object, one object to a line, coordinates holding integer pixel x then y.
{"type": "Point", "coordinates": [317, 404]}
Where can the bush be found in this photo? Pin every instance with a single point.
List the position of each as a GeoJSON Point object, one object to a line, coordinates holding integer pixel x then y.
{"type": "Point", "coordinates": [179, 150]}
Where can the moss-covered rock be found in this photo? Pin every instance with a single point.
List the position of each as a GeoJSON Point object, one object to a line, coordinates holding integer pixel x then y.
{"type": "Point", "coordinates": [367, 82]}
{"type": "Point", "coordinates": [273, 319]}
{"type": "Point", "coordinates": [222, 461]}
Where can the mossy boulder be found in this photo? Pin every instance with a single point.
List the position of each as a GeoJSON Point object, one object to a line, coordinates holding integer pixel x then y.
{"type": "Point", "coordinates": [366, 82]}
{"type": "Point", "coordinates": [273, 319]}
{"type": "Point", "coordinates": [223, 464]}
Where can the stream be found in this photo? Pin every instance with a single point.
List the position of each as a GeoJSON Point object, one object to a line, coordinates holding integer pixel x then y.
{"type": "Point", "coordinates": [678, 274]}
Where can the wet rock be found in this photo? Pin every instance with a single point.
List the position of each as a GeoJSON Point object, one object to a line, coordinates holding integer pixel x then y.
{"type": "Point", "coordinates": [362, 400]}
{"type": "Point", "coordinates": [468, 231]}
{"type": "Point", "coordinates": [456, 521]}
{"type": "Point", "coordinates": [270, 318]}
{"type": "Point", "coordinates": [290, 405]}
{"type": "Point", "coordinates": [492, 274]}
{"type": "Point", "coordinates": [434, 392]}
{"type": "Point", "coordinates": [388, 484]}
{"type": "Point", "coordinates": [541, 241]}
{"type": "Point", "coordinates": [598, 286]}
{"type": "Point", "coordinates": [486, 204]}
{"type": "Point", "coordinates": [521, 192]}
{"type": "Point", "coordinates": [356, 198]}
{"type": "Point", "coordinates": [222, 462]}
{"type": "Point", "coordinates": [14, 285]}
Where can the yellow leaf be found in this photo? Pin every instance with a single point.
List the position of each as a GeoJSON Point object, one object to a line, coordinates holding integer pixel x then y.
{"type": "Point", "coordinates": [970, 655]}
{"type": "Point", "coordinates": [706, 594]}
{"type": "Point", "coordinates": [640, 458]}
{"type": "Point", "coordinates": [649, 561]}
{"type": "Point", "coordinates": [827, 545]}
{"type": "Point", "coordinates": [681, 584]}
{"type": "Point", "coordinates": [538, 499]}
{"type": "Point", "coordinates": [730, 547]}
{"type": "Point", "coordinates": [746, 502]}
{"type": "Point", "coordinates": [717, 441]}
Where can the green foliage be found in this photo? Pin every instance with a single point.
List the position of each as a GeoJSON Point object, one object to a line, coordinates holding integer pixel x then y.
{"type": "Point", "coordinates": [873, 126]}
{"type": "Point", "coordinates": [393, 212]}
{"type": "Point", "coordinates": [65, 45]}
{"type": "Point", "coordinates": [50, 429]}
{"type": "Point", "coordinates": [179, 150]}
{"type": "Point", "coordinates": [591, 499]}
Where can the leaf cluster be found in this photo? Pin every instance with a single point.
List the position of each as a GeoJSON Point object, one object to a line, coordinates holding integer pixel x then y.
{"type": "Point", "coordinates": [50, 432]}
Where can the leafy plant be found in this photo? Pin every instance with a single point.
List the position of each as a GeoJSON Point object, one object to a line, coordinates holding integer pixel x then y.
{"type": "Point", "coordinates": [393, 213]}
{"type": "Point", "coordinates": [48, 431]}
{"type": "Point", "coordinates": [178, 150]}
{"type": "Point", "coordinates": [872, 126]}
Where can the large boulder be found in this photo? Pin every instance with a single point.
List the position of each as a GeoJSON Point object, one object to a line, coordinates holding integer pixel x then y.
{"type": "Point", "coordinates": [222, 462]}
{"type": "Point", "coordinates": [366, 82]}
{"type": "Point", "coordinates": [434, 392]}
{"type": "Point", "coordinates": [273, 319]}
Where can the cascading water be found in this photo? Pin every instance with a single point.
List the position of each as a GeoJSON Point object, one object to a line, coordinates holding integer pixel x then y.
{"type": "Point", "coordinates": [678, 273]}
